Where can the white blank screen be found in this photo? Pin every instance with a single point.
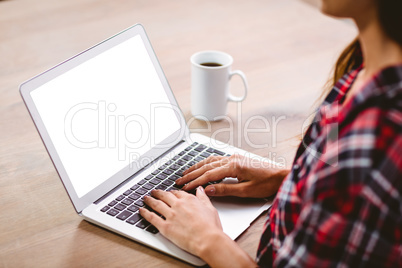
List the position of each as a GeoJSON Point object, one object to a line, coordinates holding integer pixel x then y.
{"type": "Point", "coordinates": [105, 113]}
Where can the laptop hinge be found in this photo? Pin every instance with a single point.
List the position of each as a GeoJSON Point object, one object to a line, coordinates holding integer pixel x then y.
{"type": "Point", "coordinates": [135, 174]}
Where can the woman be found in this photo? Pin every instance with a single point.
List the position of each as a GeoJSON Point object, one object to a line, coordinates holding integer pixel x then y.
{"type": "Point", "coordinates": [341, 202]}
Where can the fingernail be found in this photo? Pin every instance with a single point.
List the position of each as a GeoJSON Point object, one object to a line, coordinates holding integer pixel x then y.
{"type": "Point", "coordinates": [201, 189]}
{"type": "Point", "coordinates": [211, 190]}
{"type": "Point", "coordinates": [184, 187]}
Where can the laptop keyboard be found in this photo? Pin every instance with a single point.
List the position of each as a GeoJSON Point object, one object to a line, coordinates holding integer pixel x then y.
{"type": "Point", "coordinates": [125, 207]}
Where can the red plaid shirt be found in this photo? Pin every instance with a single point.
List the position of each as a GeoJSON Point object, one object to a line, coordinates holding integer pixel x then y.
{"type": "Point", "coordinates": [341, 204]}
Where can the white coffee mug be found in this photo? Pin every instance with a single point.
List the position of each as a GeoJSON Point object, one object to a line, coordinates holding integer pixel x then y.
{"type": "Point", "coordinates": [210, 76]}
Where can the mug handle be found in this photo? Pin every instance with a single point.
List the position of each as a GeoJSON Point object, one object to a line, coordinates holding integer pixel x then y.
{"type": "Point", "coordinates": [243, 77]}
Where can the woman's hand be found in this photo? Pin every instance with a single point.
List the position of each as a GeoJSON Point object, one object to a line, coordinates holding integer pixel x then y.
{"type": "Point", "coordinates": [192, 223]}
{"type": "Point", "coordinates": [256, 178]}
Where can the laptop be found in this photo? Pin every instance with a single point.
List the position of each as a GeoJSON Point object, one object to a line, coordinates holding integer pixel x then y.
{"type": "Point", "coordinates": [114, 132]}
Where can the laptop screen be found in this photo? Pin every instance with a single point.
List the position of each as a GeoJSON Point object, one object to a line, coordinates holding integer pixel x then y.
{"type": "Point", "coordinates": [106, 113]}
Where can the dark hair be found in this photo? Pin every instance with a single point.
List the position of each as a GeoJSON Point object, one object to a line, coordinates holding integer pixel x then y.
{"type": "Point", "coordinates": [391, 18]}
{"type": "Point", "coordinates": [390, 15]}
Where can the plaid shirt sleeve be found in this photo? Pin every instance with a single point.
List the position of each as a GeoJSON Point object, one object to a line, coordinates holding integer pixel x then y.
{"type": "Point", "coordinates": [351, 213]}
{"type": "Point", "coordinates": [341, 206]}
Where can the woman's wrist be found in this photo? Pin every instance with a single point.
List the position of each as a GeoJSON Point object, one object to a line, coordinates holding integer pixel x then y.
{"type": "Point", "coordinates": [273, 181]}
{"type": "Point", "coordinates": [282, 173]}
{"type": "Point", "coordinates": [219, 250]}
{"type": "Point", "coordinates": [204, 247]}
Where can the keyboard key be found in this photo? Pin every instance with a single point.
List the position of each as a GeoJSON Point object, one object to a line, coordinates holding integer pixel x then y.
{"type": "Point", "coordinates": [200, 148]}
{"type": "Point", "coordinates": [161, 176]}
{"type": "Point", "coordinates": [155, 181]}
{"type": "Point", "coordinates": [133, 208]}
{"type": "Point", "coordinates": [163, 166]}
{"type": "Point", "coordinates": [140, 203]}
{"type": "Point", "coordinates": [210, 150]}
{"type": "Point", "coordinates": [150, 176]}
{"type": "Point", "coordinates": [182, 153]}
{"type": "Point", "coordinates": [155, 172]}
{"type": "Point", "coordinates": [205, 154]}
{"type": "Point", "coordinates": [142, 224]}
{"type": "Point", "coordinates": [174, 177]}
{"type": "Point", "coordinates": [181, 162]}
{"type": "Point", "coordinates": [113, 212]}
{"type": "Point", "coordinates": [114, 202]}
{"type": "Point", "coordinates": [135, 187]}
{"type": "Point", "coordinates": [179, 173]}
{"type": "Point", "coordinates": [187, 157]}
{"type": "Point", "coordinates": [194, 144]}
{"type": "Point", "coordinates": [134, 196]}
{"type": "Point", "coordinates": [134, 219]}
{"type": "Point", "coordinates": [168, 172]}
{"type": "Point", "coordinates": [141, 191]}
{"type": "Point", "coordinates": [128, 192]}
{"type": "Point", "coordinates": [148, 186]}
{"type": "Point", "coordinates": [161, 187]}
{"type": "Point", "coordinates": [152, 229]}
{"type": "Point", "coordinates": [193, 153]}
{"type": "Point", "coordinates": [199, 158]}
{"type": "Point", "coordinates": [127, 201]}
{"type": "Point", "coordinates": [167, 182]}
{"type": "Point", "coordinates": [120, 207]}
{"type": "Point", "coordinates": [188, 148]}
{"type": "Point", "coordinates": [104, 209]}
{"type": "Point", "coordinates": [121, 197]}
{"type": "Point", "coordinates": [124, 215]}
{"type": "Point", "coordinates": [141, 182]}
{"type": "Point", "coordinates": [173, 188]}
{"type": "Point", "coordinates": [174, 167]}
{"type": "Point", "coordinates": [219, 152]}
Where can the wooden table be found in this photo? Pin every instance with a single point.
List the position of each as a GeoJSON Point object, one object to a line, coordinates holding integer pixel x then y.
{"type": "Point", "coordinates": [285, 47]}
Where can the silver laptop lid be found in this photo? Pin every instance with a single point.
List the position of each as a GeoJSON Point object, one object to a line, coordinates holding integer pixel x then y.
{"type": "Point", "coordinates": [104, 114]}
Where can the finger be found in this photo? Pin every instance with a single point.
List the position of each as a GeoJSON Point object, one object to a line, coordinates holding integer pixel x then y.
{"type": "Point", "coordinates": [210, 175]}
{"type": "Point", "coordinates": [180, 194]}
{"type": "Point", "coordinates": [152, 218]}
{"type": "Point", "coordinates": [158, 206]}
{"type": "Point", "coordinates": [222, 189]}
{"type": "Point", "coordinates": [208, 160]}
{"type": "Point", "coordinates": [202, 196]}
{"type": "Point", "coordinates": [198, 172]}
{"type": "Point", "coordinates": [165, 196]}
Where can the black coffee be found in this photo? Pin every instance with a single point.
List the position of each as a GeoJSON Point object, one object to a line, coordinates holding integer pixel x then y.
{"type": "Point", "coordinates": [211, 64]}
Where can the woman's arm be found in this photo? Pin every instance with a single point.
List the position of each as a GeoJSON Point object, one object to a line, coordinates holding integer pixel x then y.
{"type": "Point", "coordinates": [192, 223]}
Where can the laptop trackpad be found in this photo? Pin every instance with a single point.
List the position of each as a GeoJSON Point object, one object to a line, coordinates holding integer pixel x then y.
{"type": "Point", "coordinates": [236, 214]}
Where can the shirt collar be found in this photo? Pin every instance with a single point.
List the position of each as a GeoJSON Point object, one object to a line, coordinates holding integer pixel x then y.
{"type": "Point", "coordinates": [387, 82]}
